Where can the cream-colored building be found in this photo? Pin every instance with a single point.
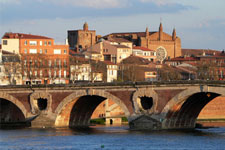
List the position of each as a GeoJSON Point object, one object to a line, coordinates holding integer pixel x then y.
{"type": "Point", "coordinates": [111, 51]}
{"type": "Point", "coordinates": [144, 53]}
{"type": "Point", "coordinates": [11, 44]}
{"type": "Point", "coordinates": [10, 69]}
{"type": "Point", "coordinates": [112, 70]}
{"type": "Point", "coordinates": [120, 41]}
{"type": "Point", "coordinates": [83, 72]}
{"type": "Point", "coordinates": [80, 72]}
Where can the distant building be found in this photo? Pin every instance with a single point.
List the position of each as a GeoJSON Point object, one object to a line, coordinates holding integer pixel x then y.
{"type": "Point", "coordinates": [144, 53]}
{"type": "Point", "coordinates": [42, 61]}
{"type": "Point", "coordinates": [85, 70]}
{"type": "Point", "coordinates": [199, 52]}
{"type": "Point", "coordinates": [111, 71]}
{"type": "Point", "coordinates": [136, 68]}
{"type": "Point", "coordinates": [10, 69]}
{"type": "Point", "coordinates": [81, 39]}
{"type": "Point", "coordinates": [166, 46]}
{"type": "Point", "coordinates": [111, 51]}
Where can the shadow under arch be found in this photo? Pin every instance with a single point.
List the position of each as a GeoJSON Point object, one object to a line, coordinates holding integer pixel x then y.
{"type": "Point", "coordinates": [16, 102]}
{"type": "Point", "coordinates": [11, 115]}
{"type": "Point", "coordinates": [183, 110]}
{"type": "Point", "coordinates": [77, 108]}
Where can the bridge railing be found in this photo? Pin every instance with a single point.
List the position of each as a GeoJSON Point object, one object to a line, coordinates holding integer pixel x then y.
{"type": "Point", "coordinates": [157, 83]}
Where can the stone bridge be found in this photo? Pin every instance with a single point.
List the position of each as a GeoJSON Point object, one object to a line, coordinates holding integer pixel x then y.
{"type": "Point", "coordinates": [155, 105]}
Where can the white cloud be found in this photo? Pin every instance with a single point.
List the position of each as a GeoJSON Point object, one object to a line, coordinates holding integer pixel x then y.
{"type": "Point", "coordinates": [158, 2]}
{"type": "Point", "coordinates": [98, 4]}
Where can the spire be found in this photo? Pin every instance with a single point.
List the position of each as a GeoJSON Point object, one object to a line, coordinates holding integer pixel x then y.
{"type": "Point", "coordinates": [174, 34]}
{"type": "Point", "coordinates": [146, 32]}
{"type": "Point", "coordinates": [160, 27]}
{"type": "Point", "coordinates": [160, 31]}
{"type": "Point", "coordinates": [85, 27]}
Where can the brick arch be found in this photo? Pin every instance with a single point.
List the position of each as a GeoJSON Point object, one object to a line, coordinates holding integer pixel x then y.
{"type": "Point", "coordinates": [64, 108]}
{"type": "Point", "coordinates": [187, 101]}
{"type": "Point", "coordinates": [148, 92]}
{"type": "Point", "coordinates": [16, 102]}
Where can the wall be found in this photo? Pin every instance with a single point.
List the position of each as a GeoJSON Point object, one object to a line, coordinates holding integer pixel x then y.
{"type": "Point", "coordinates": [12, 45]}
{"type": "Point", "coordinates": [214, 109]}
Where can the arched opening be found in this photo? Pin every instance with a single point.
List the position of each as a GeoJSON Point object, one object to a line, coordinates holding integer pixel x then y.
{"type": "Point", "coordinates": [80, 111]}
{"type": "Point", "coordinates": [146, 102]}
{"type": "Point", "coordinates": [11, 115]}
{"type": "Point", "coordinates": [42, 103]}
{"type": "Point", "coordinates": [108, 113]}
{"type": "Point", "coordinates": [185, 113]}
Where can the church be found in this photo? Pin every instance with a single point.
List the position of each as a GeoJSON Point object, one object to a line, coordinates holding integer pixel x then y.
{"type": "Point", "coordinates": [81, 39]}
{"type": "Point", "coordinates": [166, 46]}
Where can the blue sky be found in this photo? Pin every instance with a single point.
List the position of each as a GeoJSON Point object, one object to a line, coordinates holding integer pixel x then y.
{"type": "Point", "coordinates": [199, 23]}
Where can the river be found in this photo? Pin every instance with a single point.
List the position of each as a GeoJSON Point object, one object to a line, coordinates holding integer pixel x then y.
{"type": "Point", "coordinates": [111, 138]}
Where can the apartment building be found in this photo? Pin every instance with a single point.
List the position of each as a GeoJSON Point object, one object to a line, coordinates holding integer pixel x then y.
{"type": "Point", "coordinates": [42, 61]}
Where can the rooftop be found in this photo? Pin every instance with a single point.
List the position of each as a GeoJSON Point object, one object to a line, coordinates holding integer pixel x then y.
{"type": "Point", "coordinates": [142, 48]}
{"type": "Point", "coordinates": [10, 35]}
{"type": "Point", "coordinates": [118, 40]}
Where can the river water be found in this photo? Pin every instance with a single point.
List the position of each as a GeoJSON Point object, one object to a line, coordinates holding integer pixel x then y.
{"type": "Point", "coordinates": [111, 138]}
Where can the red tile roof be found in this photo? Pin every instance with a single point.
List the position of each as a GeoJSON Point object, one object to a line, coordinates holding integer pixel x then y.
{"type": "Point", "coordinates": [142, 48]}
{"type": "Point", "coordinates": [10, 35]}
{"type": "Point", "coordinates": [184, 59]}
{"type": "Point", "coordinates": [118, 40]}
{"type": "Point", "coordinates": [198, 52]}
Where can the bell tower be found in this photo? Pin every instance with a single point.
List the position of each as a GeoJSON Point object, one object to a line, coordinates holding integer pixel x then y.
{"type": "Point", "coordinates": [160, 32]}
{"type": "Point", "coordinates": [174, 35]}
{"type": "Point", "coordinates": [85, 27]}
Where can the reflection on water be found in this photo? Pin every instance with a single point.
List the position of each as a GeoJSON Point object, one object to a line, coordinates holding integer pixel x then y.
{"type": "Point", "coordinates": [111, 138]}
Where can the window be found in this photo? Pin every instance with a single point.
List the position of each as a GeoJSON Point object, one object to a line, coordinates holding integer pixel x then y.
{"type": "Point", "coordinates": [64, 73]}
{"type": "Point", "coordinates": [25, 62]}
{"type": "Point", "coordinates": [35, 73]}
{"type": "Point", "coordinates": [35, 63]}
{"type": "Point", "coordinates": [59, 62]}
{"type": "Point", "coordinates": [45, 43]}
{"type": "Point", "coordinates": [25, 51]}
{"type": "Point", "coordinates": [41, 64]}
{"type": "Point", "coordinates": [33, 42]}
{"type": "Point", "coordinates": [40, 51]}
{"type": "Point", "coordinates": [33, 51]}
{"type": "Point", "coordinates": [41, 73]}
{"type": "Point", "coordinates": [57, 51]}
{"type": "Point", "coordinates": [45, 51]}
{"type": "Point", "coordinates": [55, 73]}
{"type": "Point", "coordinates": [25, 42]}
{"type": "Point", "coordinates": [49, 43]}
{"type": "Point", "coordinates": [55, 63]}
{"type": "Point", "coordinates": [50, 73]}
{"type": "Point", "coordinates": [60, 73]}
{"type": "Point", "coordinates": [64, 62]}
{"type": "Point", "coordinates": [40, 42]}
{"type": "Point", "coordinates": [49, 63]}
{"type": "Point", "coordinates": [5, 42]}
{"type": "Point", "coordinates": [65, 51]}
